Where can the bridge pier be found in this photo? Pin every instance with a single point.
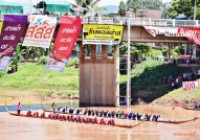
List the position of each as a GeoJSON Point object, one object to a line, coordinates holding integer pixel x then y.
{"type": "Point", "coordinates": [99, 77]}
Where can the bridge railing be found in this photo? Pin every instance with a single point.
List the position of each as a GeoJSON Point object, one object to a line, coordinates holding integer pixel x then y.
{"type": "Point", "coordinates": [142, 21]}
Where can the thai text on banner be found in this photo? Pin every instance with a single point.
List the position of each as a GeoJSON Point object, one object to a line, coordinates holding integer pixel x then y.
{"type": "Point", "coordinates": [40, 31]}
{"type": "Point", "coordinates": [13, 28]}
{"type": "Point", "coordinates": [102, 34]}
{"type": "Point", "coordinates": [66, 38]}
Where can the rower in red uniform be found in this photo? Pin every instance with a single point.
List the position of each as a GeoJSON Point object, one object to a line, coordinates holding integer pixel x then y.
{"type": "Point", "coordinates": [102, 121]}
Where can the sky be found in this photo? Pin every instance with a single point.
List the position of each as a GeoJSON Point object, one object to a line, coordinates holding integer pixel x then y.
{"type": "Point", "coordinates": [116, 2]}
{"type": "Point", "coordinates": [26, 3]}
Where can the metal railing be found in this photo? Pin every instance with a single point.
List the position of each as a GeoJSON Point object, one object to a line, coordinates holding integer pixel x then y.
{"type": "Point", "coordinates": [142, 21]}
{"type": "Point", "coordinates": [139, 21]}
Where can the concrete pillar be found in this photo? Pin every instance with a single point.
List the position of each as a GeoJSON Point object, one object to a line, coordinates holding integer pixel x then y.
{"type": "Point", "coordinates": [99, 78]}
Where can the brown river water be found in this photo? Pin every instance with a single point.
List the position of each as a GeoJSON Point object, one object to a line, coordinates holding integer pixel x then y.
{"type": "Point", "coordinates": [19, 128]}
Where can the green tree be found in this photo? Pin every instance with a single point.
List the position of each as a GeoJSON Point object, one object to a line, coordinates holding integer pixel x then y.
{"type": "Point", "coordinates": [15, 59]}
{"type": "Point", "coordinates": [87, 5]}
{"type": "Point", "coordinates": [185, 7]}
{"type": "Point", "coordinates": [144, 4]}
{"type": "Point", "coordinates": [122, 8]}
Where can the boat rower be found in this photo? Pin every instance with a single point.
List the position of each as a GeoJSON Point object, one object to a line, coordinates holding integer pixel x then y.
{"type": "Point", "coordinates": [19, 108]}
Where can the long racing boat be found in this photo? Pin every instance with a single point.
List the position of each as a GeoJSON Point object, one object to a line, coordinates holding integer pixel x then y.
{"type": "Point", "coordinates": [160, 120]}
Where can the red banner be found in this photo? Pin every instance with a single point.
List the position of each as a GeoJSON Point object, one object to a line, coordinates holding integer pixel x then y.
{"type": "Point", "coordinates": [66, 38]}
{"type": "Point", "coordinates": [190, 85]}
{"type": "Point", "coordinates": [193, 34]}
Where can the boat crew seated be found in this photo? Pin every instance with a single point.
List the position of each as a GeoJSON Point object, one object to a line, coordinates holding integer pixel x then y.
{"type": "Point", "coordinates": [109, 115]}
{"type": "Point", "coordinates": [86, 112]}
{"type": "Point", "coordinates": [155, 118]}
{"type": "Point", "coordinates": [113, 114]}
{"type": "Point", "coordinates": [105, 113]}
{"type": "Point", "coordinates": [134, 116]}
{"type": "Point", "coordinates": [29, 113]}
{"type": "Point", "coordinates": [71, 111]}
{"type": "Point", "coordinates": [111, 122]}
{"type": "Point", "coordinates": [93, 113]}
{"type": "Point", "coordinates": [50, 116]}
{"type": "Point", "coordinates": [36, 114]}
{"type": "Point", "coordinates": [102, 121]}
{"type": "Point", "coordinates": [126, 115]}
{"type": "Point", "coordinates": [78, 111]}
{"type": "Point", "coordinates": [138, 116]}
{"type": "Point", "coordinates": [130, 115]}
{"type": "Point", "coordinates": [89, 112]}
{"type": "Point", "coordinates": [42, 115]}
{"type": "Point", "coordinates": [147, 117]}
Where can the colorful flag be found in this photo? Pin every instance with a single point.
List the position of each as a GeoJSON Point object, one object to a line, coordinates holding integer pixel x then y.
{"type": "Point", "coordinates": [14, 27]}
{"type": "Point", "coordinates": [66, 38]}
{"type": "Point", "coordinates": [40, 31]}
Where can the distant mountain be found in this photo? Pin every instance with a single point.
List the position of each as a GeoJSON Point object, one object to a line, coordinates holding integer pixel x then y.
{"type": "Point", "coordinates": [109, 9]}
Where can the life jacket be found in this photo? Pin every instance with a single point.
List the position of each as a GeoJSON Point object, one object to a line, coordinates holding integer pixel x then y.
{"type": "Point", "coordinates": [28, 113]}
{"type": "Point", "coordinates": [43, 115]}
{"type": "Point", "coordinates": [35, 114]}
{"type": "Point", "coordinates": [102, 121]}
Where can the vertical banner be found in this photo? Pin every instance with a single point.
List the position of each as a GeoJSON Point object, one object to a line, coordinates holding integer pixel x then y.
{"type": "Point", "coordinates": [40, 31]}
{"type": "Point", "coordinates": [66, 38]}
{"type": "Point", "coordinates": [13, 28]}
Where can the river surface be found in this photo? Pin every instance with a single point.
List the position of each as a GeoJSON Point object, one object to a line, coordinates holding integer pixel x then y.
{"type": "Point", "coordinates": [19, 128]}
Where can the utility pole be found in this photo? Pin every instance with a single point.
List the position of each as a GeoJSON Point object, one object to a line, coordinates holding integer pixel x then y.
{"type": "Point", "coordinates": [128, 91]}
{"type": "Point", "coordinates": [195, 9]}
{"type": "Point", "coordinates": [43, 7]}
{"type": "Point", "coordinates": [30, 7]}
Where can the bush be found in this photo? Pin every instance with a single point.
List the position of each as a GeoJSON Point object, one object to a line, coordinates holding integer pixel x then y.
{"type": "Point", "coordinates": [72, 62]}
{"type": "Point", "coordinates": [1, 74]}
{"type": "Point", "coordinates": [43, 60]}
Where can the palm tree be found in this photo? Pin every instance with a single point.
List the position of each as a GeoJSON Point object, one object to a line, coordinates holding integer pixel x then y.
{"type": "Point", "coordinates": [87, 5]}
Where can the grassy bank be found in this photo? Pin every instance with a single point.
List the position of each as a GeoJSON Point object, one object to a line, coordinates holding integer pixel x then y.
{"type": "Point", "coordinates": [31, 78]}
{"type": "Point", "coordinates": [146, 81]}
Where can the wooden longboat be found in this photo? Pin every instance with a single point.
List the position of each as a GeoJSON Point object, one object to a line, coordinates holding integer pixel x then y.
{"type": "Point", "coordinates": [169, 121]}
{"type": "Point", "coordinates": [47, 118]}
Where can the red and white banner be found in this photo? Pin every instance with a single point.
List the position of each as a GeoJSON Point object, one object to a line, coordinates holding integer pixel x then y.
{"type": "Point", "coordinates": [191, 33]}
{"type": "Point", "coordinates": [66, 38]}
{"type": "Point", "coordinates": [167, 31]}
{"type": "Point", "coordinates": [190, 85]}
{"type": "Point", "coordinates": [40, 31]}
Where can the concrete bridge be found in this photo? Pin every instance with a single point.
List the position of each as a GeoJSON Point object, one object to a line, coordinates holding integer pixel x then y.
{"type": "Point", "coordinates": [99, 76]}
